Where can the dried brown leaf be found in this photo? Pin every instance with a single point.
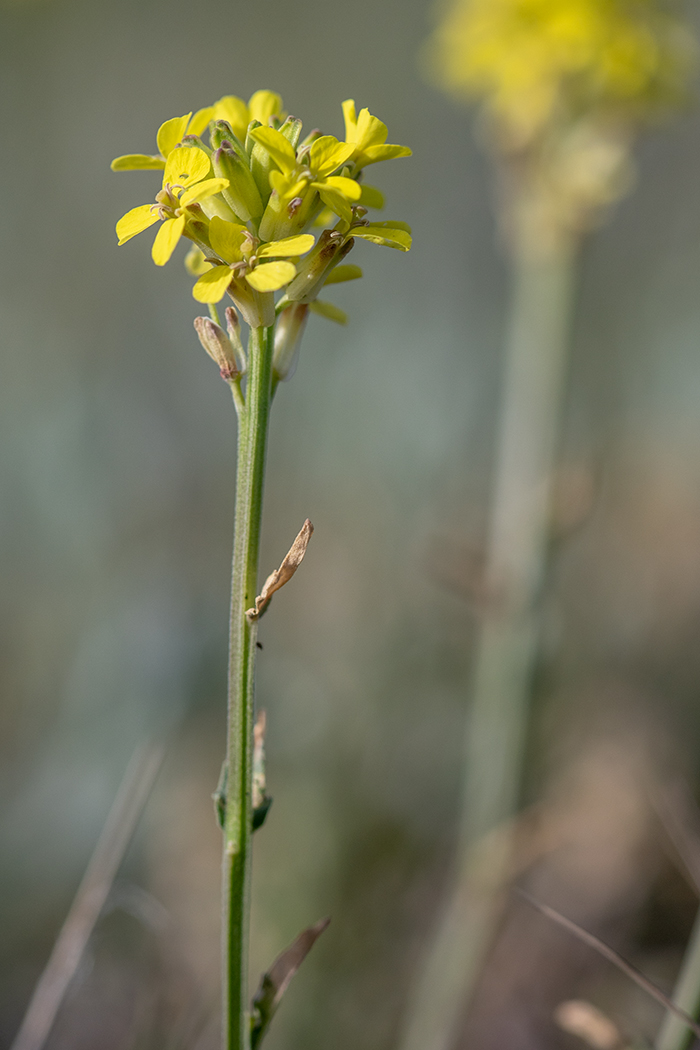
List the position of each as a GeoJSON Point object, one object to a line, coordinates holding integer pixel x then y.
{"type": "Point", "coordinates": [283, 575]}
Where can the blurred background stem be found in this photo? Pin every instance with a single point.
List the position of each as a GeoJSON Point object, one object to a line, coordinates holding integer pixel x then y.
{"type": "Point", "coordinates": [238, 826]}
{"type": "Point", "coordinates": [674, 1034]}
{"type": "Point", "coordinates": [506, 650]}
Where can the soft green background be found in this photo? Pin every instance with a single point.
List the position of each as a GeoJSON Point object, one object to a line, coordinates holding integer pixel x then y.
{"type": "Point", "coordinates": [116, 467]}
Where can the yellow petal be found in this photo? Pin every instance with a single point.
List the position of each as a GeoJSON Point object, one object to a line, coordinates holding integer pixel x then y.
{"type": "Point", "coordinates": [225, 238]}
{"type": "Point", "coordinates": [195, 263]}
{"type": "Point", "coordinates": [348, 188]}
{"type": "Point", "coordinates": [327, 154]}
{"type": "Point", "coordinates": [392, 224]}
{"type": "Point", "coordinates": [343, 273]}
{"type": "Point", "coordinates": [286, 185]}
{"type": "Point", "coordinates": [281, 151]}
{"type": "Point", "coordinates": [370, 130]}
{"type": "Point", "coordinates": [166, 240]}
{"type": "Point", "coordinates": [202, 190]}
{"type": "Point", "coordinates": [170, 133]}
{"type": "Point", "coordinates": [386, 234]}
{"type": "Point", "coordinates": [234, 110]}
{"type": "Point", "coordinates": [211, 286]}
{"type": "Point", "coordinates": [186, 165]}
{"type": "Point", "coordinates": [336, 202]}
{"type": "Point", "coordinates": [298, 245]}
{"type": "Point", "coordinates": [136, 162]}
{"type": "Point", "coordinates": [200, 120]}
{"type": "Point", "coordinates": [325, 218]}
{"type": "Point", "coordinates": [268, 277]}
{"type": "Point", "coordinates": [371, 197]}
{"type": "Point", "coordinates": [263, 105]}
{"type": "Point", "coordinates": [135, 221]}
{"type": "Point", "coordinates": [374, 153]}
{"type": "Point", "coordinates": [350, 120]}
{"type": "Point", "coordinates": [329, 310]}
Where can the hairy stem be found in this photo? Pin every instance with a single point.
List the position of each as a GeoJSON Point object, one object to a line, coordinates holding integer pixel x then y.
{"type": "Point", "coordinates": [238, 825]}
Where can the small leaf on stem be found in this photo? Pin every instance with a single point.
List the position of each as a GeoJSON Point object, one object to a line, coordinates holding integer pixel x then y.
{"type": "Point", "coordinates": [274, 983]}
{"type": "Point", "coordinates": [280, 576]}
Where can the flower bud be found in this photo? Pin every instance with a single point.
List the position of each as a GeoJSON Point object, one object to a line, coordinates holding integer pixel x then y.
{"type": "Point", "coordinates": [256, 308]}
{"type": "Point", "coordinates": [218, 346]}
{"type": "Point", "coordinates": [290, 328]}
{"type": "Point", "coordinates": [233, 327]}
{"type": "Point", "coordinates": [194, 140]}
{"type": "Point", "coordinates": [328, 251]}
{"type": "Point", "coordinates": [220, 131]}
{"type": "Point", "coordinates": [283, 218]}
{"type": "Point", "coordinates": [291, 129]}
{"type": "Point", "coordinates": [261, 164]}
{"type": "Point", "coordinates": [242, 193]}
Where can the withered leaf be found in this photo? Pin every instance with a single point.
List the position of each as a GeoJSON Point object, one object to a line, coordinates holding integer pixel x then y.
{"type": "Point", "coordinates": [280, 576]}
{"type": "Point", "coordinates": [274, 983]}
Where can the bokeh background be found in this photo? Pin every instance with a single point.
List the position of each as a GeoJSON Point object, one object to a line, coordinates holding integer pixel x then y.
{"type": "Point", "coordinates": [116, 465]}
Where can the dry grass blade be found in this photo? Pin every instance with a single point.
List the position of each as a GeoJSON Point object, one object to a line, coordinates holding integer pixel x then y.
{"type": "Point", "coordinates": [90, 898]}
{"type": "Point", "coordinates": [680, 820]}
{"type": "Point", "coordinates": [283, 575]}
{"type": "Point", "coordinates": [275, 982]}
{"type": "Point", "coordinates": [612, 956]}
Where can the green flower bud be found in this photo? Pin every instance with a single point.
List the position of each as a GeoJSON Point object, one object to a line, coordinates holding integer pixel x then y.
{"type": "Point", "coordinates": [290, 328]}
{"type": "Point", "coordinates": [194, 140]}
{"type": "Point", "coordinates": [285, 218]}
{"type": "Point", "coordinates": [330, 249]}
{"type": "Point", "coordinates": [291, 129]}
{"type": "Point", "coordinates": [233, 327]}
{"type": "Point", "coordinates": [261, 164]}
{"type": "Point", "coordinates": [249, 142]}
{"type": "Point", "coordinates": [242, 193]}
{"type": "Point", "coordinates": [218, 345]}
{"type": "Point", "coordinates": [256, 308]}
{"type": "Point", "coordinates": [220, 131]}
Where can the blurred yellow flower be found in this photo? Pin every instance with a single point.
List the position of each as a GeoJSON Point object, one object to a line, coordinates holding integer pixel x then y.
{"type": "Point", "coordinates": [534, 61]}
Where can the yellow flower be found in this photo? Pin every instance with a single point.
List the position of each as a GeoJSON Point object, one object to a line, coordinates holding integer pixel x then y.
{"type": "Point", "coordinates": [368, 136]}
{"type": "Point", "coordinates": [241, 257]}
{"type": "Point", "coordinates": [184, 185]}
{"type": "Point", "coordinates": [534, 61]}
{"type": "Point", "coordinates": [246, 200]}
{"type": "Point", "coordinates": [261, 106]}
{"type": "Point", "coordinates": [303, 181]}
{"type": "Point", "coordinates": [170, 134]}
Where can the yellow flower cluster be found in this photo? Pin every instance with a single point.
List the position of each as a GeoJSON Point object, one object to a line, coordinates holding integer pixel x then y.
{"type": "Point", "coordinates": [247, 199]}
{"type": "Point", "coordinates": [536, 61]}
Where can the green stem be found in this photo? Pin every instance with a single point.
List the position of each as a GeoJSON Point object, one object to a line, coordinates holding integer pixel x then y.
{"type": "Point", "coordinates": [238, 827]}
{"type": "Point", "coordinates": [506, 649]}
{"type": "Point", "coordinates": [674, 1034]}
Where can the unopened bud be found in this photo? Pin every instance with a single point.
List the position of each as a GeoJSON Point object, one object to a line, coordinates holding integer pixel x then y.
{"type": "Point", "coordinates": [290, 328]}
{"type": "Point", "coordinates": [312, 136]}
{"type": "Point", "coordinates": [194, 140]}
{"type": "Point", "coordinates": [218, 345]}
{"type": "Point", "coordinates": [233, 327]}
{"type": "Point", "coordinates": [242, 193]}
{"type": "Point", "coordinates": [220, 131]}
{"type": "Point", "coordinates": [256, 308]}
{"type": "Point", "coordinates": [330, 248]}
{"type": "Point", "coordinates": [291, 129]}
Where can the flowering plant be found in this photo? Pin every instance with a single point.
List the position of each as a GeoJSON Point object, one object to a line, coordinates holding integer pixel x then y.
{"type": "Point", "coordinates": [247, 201]}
